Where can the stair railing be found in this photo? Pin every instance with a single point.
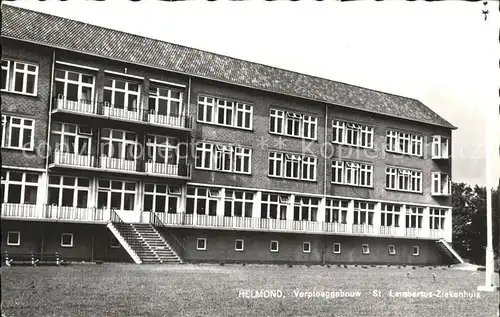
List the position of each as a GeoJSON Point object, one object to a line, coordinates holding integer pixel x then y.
{"type": "Point", "coordinates": [171, 239]}
{"type": "Point", "coordinates": [128, 235]}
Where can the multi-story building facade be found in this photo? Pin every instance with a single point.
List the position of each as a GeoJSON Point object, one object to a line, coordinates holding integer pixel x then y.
{"type": "Point", "coordinates": [119, 147]}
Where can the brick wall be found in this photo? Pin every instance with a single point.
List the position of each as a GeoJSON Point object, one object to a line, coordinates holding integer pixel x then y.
{"type": "Point", "coordinates": [35, 107]}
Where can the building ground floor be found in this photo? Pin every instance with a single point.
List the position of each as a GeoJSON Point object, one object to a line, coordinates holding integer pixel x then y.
{"type": "Point", "coordinates": [96, 242]}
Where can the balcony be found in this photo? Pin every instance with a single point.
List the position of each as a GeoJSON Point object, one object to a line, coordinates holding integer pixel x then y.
{"type": "Point", "coordinates": [13, 210]}
{"type": "Point", "coordinates": [363, 229]}
{"type": "Point", "coordinates": [108, 111]}
{"type": "Point", "coordinates": [273, 224]}
{"type": "Point", "coordinates": [75, 214]}
{"type": "Point", "coordinates": [111, 164]}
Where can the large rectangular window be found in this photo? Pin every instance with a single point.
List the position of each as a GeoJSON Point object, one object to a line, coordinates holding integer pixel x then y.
{"type": "Point", "coordinates": [414, 216]}
{"type": "Point", "coordinates": [363, 213]}
{"type": "Point", "coordinates": [70, 138]}
{"type": "Point", "coordinates": [18, 132]}
{"type": "Point", "coordinates": [238, 203]}
{"type": "Point", "coordinates": [305, 209]}
{"type": "Point", "coordinates": [437, 218]}
{"type": "Point", "coordinates": [404, 143]}
{"type": "Point", "coordinates": [162, 149]}
{"type": "Point", "coordinates": [114, 194]}
{"type": "Point", "coordinates": [74, 86]}
{"type": "Point", "coordinates": [292, 166]}
{"type": "Point", "coordinates": [68, 191]}
{"type": "Point", "coordinates": [119, 144]}
{"type": "Point", "coordinates": [122, 94]}
{"type": "Point", "coordinates": [403, 179]}
{"type": "Point", "coordinates": [441, 184]}
{"type": "Point", "coordinates": [352, 173]}
{"type": "Point", "coordinates": [227, 158]}
{"type": "Point", "coordinates": [165, 101]}
{"type": "Point", "coordinates": [274, 206]}
{"type": "Point", "coordinates": [202, 200]}
{"type": "Point", "coordinates": [161, 198]}
{"type": "Point", "coordinates": [225, 112]}
{"type": "Point", "coordinates": [389, 216]}
{"type": "Point", "coordinates": [336, 211]}
{"type": "Point", "coordinates": [19, 187]}
{"type": "Point", "coordinates": [352, 134]}
{"type": "Point", "coordinates": [440, 147]}
{"type": "Point", "coordinates": [19, 77]}
{"type": "Point", "coordinates": [292, 124]}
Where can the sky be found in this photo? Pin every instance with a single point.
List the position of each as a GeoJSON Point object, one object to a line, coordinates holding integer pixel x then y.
{"type": "Point", "coordinates": [444, 54]}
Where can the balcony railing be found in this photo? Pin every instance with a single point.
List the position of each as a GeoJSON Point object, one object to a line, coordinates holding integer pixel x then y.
{"type": "Point", "coordinates": [334, 227]}
{"type": "Point", "coordinates": [413, 232]}
{"type": "Point", "coordinates": [63, 159]}
{"type": "Point", "coordinates": [273, 224]}
{"type": "Point", "coordinates": [388, 230]}
{"type": "Point", "coordinates": [75, 213]}
{"type": "Point", "coordinates": [19, 210]}
{"type": "Point", "coordinates": [437, 233]}
{"type": "Point", "coordinates": [105, 109]}
{"type": "Point", "coordinates": [365, 229]}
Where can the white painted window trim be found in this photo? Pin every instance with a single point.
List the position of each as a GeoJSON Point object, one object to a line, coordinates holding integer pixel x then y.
{"type": "Point", "coordinates": [417, 249]}
{"type": "Point", "coordinates": [207, 197]}
{"type": "Point", "coordinates": [18, 243]}
{"type": "Point", "coordinates": [364, 134]}
{"type": "Point", "coordinates": [109, 190]}
{"type": "Point", "coordinates": [271, 246]}
{"type": "Point", "coordinates": [414, 177]}
{"type": "Point", "coordinates": [331, 205]}
{"type": "Point", "coordinates": [168, 194]}
{"type": "Point", "coordinates": [244, 200]}
{"type": "Point", "coordinates": [236, 245]}
{"type": "Point", "coordinates": [7, 127]}
{"type": "Point", "coordinates": [215, 104]}
{"type": "Point", "coordinates": [62, 240]}
{"type": "Point", "coordinates": [365, 249]}
{"type": "Point", "coordinates": [391, 249]}
{"type": "Point", "coordinates": [157, 81]}
{"type": "Point", "coordinates": [77, 135]}
{"type": "Point", "coordinates": [77, 66]}
{"type": "Point", "coordinates": [7, 182]}
{"type": "Point", "coordinates": [123, 74]}
{"type": "Point", "coordinates": [356, 170]}
{"type": "Point", "coordinates": [75, 187]}
{"type": "Point", "coordinates": [126, 91]}
{"type": "Point", "coordinates": [204, 248]}
{"type": "Point", "coordinates": [216, 152]}
{"type": "Point", "coordinates": [339, 249]}
{"type": "Point", "coordinates": [11, 77]}
{"type": "Point", "coordinates": [123, 140]}
{"type": "Point", "coordinates": [310, 206]}
{"type": "Point", "coordinates": [169, 99]}
{"type": "Point", "coordinates": [156, 145]}
{"type": "Point", "coordinates": [304, 247]}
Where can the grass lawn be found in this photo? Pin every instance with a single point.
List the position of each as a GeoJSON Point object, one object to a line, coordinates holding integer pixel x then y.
{"type": "Point", "coordinates": [212, 290]}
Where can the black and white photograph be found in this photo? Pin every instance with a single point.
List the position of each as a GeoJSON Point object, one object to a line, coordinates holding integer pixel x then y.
{"type": "Point", "coordinates": [250, 158]}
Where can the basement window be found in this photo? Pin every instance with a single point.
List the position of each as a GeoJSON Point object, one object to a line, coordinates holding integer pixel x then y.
{"type": "Point", "coordinates": [67, 240]}
{"type": "Point", "coordinates": [274, 246]}
{"type": "Point", "coordinates": [336, 248]}
{"type": "Point", "coordinates": [365, 249]}
{"type": "Point", "coordinates": [239, 245]}
{"type": "Point", "coordinates": [392, 250]}
{"type": "Point", "coordinates": [416, 250]}
{"type": "Point", "coordinates": [13, 238]}
{"type": "Point", "coordinates": [114, 243]}
{"type": "Point", "coordinates": [306, 247]}
{"type": "Point", "coordinates": [201, 244]}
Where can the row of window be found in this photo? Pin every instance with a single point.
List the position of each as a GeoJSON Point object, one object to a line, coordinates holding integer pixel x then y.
{"type": "Point", "coordinates": [76, 86]}
{"type": "Point", "coordinates": [239, 246]}
{"type": "Point", "coordinates": [67, 239]}
{"type": "Point", "coordinates": [18, 187]}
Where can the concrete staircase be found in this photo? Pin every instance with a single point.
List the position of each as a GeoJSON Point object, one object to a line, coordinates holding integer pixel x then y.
{"type": "Point", "coordinates": [453, 256]}
{"type": "Point", "coordinates": [144, 242]}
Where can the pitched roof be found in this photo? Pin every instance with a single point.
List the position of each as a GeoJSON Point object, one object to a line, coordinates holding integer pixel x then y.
{"type": "Point", "coordinates": [58, 32]}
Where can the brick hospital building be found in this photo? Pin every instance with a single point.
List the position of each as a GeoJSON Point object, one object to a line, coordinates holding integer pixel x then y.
{"type": "Point", "coordinates": [117, 147]}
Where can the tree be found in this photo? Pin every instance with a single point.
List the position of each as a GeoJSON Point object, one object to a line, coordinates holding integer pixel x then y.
{"type": "Point", "coordinates": [469, 221]}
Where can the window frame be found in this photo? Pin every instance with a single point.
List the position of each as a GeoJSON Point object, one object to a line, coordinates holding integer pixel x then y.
{"type": "Point", "coordinates": [280, 120]}
{"type": "Point", "coordinates": [126, 93]}
{"type": "Point", "coordinates": [110, 139]}
{"type": "Point", "coordinates": [197, 197]}
{"type": "Point", "coordinates": [344, 130]}
{"type": "Point", "coordinates": [7, 127]}
{"type": "Point", "coordinates": [273, 201]}
{"type": "Point", "coordinates": [7, 183]}
{"type": "Point", "coordinates": [77, 135]}
{"type": "Point", "coordinates": [339, 248]}
{"type": "Point", "coordinates": [355, 171]}
{"type": "Point", "coordinates": [123, 191]}
{"type": "Point", "coordinates": [412, 177]}
{"type": "Point", "coordinates": [156, 96]}
{"type": "Point", "coordinates": [155, 193]}
{"type": "Point", "coordinates": [413, 143]}
{"type": "Point", "coordinates": [418, 250]}
{"type": "Point", "coordinates": [61, 186]}
{"type": "Point", "coordinates": [10, 83]}
{"type": "Point", "coordinates": [304, 204]}
{"type": "Point", "coordinates": [291, 166]}
{"type": "Point", "coordinates": [365, 248]}
{"type": "Point", "coordinates": [18, 243]}
{"type": "Point", "coordinates": [391, 249]}
{"type": "Point", "coordinates": [62, 240]}
{"type": "Point", "coordinates": [80, 84]}
{"type": "Point", "coordinates": [334, 207]}
{"type": "Point", "coordinates": [437, 181]}
{"type": "Point", "coordinates": [215, 155]}
{"type": "Point", "coordinates": [244, 202]}
{"type": "Point", "coordinates": [439, 145]}
{"type": "Point", "coordinates": [218, 103]}
{"type": "Point", "coordinates": [152, 142]}
{"type": "Point", "coordinates": [242, 249]}
{"type": "Point", "coordinates": [198, 240]}
{"type": "Point", "coordinates": [277, 249]}
{"type": "Point", "coordinates": [304, 247]}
